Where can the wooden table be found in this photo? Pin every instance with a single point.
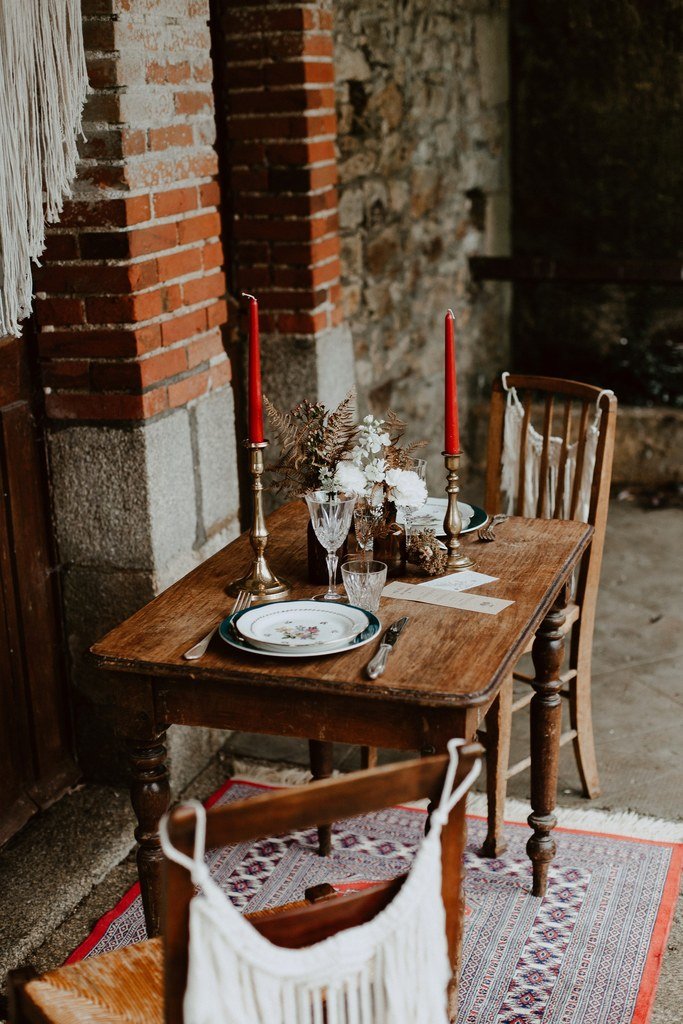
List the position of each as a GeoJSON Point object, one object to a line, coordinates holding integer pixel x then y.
{"type": "Point", "coordinates": [448, 666]}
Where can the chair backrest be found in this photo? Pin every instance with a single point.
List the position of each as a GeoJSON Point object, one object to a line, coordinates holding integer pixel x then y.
{"type": "Point", "coordinates": [283, 811]}
{"type": "Point", "coordinates": [568, 409]}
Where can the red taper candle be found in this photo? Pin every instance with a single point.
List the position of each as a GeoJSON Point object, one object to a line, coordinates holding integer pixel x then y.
{"type": "Point", "coordinates": [452, 439]}
{"type": "Point", "coordinates": [255, 394]}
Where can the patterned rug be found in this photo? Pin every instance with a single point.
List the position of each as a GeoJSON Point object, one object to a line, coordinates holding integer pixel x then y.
{"type": "Point", "coordinates": [589, 953]}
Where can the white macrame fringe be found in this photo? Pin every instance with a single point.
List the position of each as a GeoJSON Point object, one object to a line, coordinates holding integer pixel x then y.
{"type": "Point", "coordinates": [509, 480]}
{"type": "Point", "coordinates": [615, 822]}
{"type": "Point", "coordinates": [43, 86]}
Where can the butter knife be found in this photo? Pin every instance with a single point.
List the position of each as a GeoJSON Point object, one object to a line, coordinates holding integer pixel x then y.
{"type": "Point", "coordinates": [377, 664]}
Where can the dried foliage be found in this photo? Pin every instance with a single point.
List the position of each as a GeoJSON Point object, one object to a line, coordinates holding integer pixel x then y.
{"type": "Point", "coordinates": [424, 550]}
{"type": "Point", "coordinates": [311, 439]}
{"type": "Point", "coordinates": [398, 457]}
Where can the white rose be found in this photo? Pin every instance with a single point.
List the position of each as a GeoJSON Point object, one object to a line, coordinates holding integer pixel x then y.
{"type": "Point", "coordinates": [349, 477]}
{"type": "Point", "coordinates": [393, 477]}
{"type": "Point", "coordinates": [408, 488]}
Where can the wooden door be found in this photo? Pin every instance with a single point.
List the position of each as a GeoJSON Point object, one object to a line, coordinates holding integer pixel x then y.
{"type": "Point", "coordinates": [36, 754]}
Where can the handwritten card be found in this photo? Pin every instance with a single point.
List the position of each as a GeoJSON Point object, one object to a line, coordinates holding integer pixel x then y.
{"type": "Point", "coordinates": [445, 597]}
{"type": "Point", "coordinates": [457, 581]}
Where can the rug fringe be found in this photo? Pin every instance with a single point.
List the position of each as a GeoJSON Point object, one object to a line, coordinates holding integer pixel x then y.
{"type": "Point", "coordinates": [616, 822]}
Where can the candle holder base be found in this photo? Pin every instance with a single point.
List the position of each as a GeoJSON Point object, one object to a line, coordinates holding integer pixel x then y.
{"type": "Point", "coordinates": [457, 560]}
{"type": "Point", "coordinates": [260, 581]}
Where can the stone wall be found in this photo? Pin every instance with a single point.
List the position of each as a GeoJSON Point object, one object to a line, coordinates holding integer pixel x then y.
{"type": "Point", "coordinates": [422, 101]}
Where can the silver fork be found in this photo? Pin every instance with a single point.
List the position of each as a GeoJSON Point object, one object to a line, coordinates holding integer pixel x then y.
{"type": "Point", "coordinates": [486, 532]}
{"type": "Point", "coordinates": [199, 650]}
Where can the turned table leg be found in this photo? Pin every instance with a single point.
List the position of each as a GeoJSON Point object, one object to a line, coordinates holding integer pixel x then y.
{"type": "Point", "coordinates": [321, 756]}
{"type": "Point", "coordinates": [546, 725]}
{"type": "Point", "coordinates": [150, 796]}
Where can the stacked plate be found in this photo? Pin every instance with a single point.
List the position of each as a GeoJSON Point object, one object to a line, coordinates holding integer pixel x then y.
{"type": "Point", "coordinates": [299, 629]}
{"type": "Point", "coordinates": [431, 516]}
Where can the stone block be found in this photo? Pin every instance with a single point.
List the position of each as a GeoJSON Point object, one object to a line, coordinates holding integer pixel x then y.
{"type": "Point", "coordinates": [491, 42]}
{"type": "Point", "coordinates": [216, 460]}
{"type": "Point", "coordinates": [335, 366]}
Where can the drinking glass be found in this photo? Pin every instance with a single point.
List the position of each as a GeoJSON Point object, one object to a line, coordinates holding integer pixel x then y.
{"type": "Point", "coordinates": [364, 582]}
{"type": "Point", "coordinates": [331, 518]}
{"type": "Point", "coordinates": [366, 516]}
{"type": "Point", "coordinates": [418, 466]}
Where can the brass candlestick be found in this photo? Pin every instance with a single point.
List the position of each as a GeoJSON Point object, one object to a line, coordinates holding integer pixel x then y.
{"type": "Point", "coordinates": [259, 581]}
{"type": "Point", "coordinates": [452, 524]}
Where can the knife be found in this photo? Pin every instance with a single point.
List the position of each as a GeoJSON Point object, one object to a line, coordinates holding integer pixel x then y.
{"type": "Point", "coordinates": [377, 664]}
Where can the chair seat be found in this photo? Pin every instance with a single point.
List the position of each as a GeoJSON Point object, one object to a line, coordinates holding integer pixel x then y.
{"type": "Point", "coordinates": [572, 615]}
{"type": "Point", "coordinates": [123, 987]}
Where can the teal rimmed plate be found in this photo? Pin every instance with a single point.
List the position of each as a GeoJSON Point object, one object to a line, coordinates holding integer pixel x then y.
{"type": "Point", "coordinates": [229, 634]}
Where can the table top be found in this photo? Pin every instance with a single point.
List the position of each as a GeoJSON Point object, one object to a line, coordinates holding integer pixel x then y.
{"type": "Point", "coordinates": [446, 656]}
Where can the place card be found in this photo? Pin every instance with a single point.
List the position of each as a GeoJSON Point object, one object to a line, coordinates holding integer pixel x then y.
{"type": "Point", "coordinates": [457, 581]}
{"type": "Point", "coordinates": [444, 597]}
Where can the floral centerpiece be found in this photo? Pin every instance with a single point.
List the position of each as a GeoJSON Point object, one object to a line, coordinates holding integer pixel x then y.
{"type": "Point", "coordinates": [322, 450]}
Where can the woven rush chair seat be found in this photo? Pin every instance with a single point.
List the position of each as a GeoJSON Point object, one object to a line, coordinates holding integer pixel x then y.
{"type": "Point", "coordinates": [123, 987]}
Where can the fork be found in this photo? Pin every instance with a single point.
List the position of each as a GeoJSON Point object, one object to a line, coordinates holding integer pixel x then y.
{"type": "Point", "coordinates": [199, 650]}
{"type": "Point", "coordinates": [486, 532]}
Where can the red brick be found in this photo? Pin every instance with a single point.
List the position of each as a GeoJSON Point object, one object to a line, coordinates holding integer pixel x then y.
{"type": "Point", "coordinates": [170, 135]}
{"type": "Point", "coordinates": [133, 143]}
{"type": "Point", "coordinates": [203, 349]}
{"type": "Point", "coordinates": [102, 72]}
{"type": "Point", "coordinates": [196, 229]}
{"type": "Point", "coordinates": [171, 298]}
{"type": "Point", "coordinates": [152, 239]}
{"type": "Point", "coordinates": [182, 327]}
{"type": "Point", "coordinates": [293, 44]}
{"type": "Point", "coordinates": [212, 255]}
{"type": "Point", "coordinates": [100, 342]}
{"type": "Point", "coordinates": [306, 254]}
{"type": "Point", "coordinates": [60, 247]}
{"type": "Point", "coordinates": [220, 374]}
{"type": "Point", "coordinates": [199, 289]}
{"type": "Point", "coordinates": [68, 373]}
{"type": "Point", "coordinates": [184, 391]}
{"type": "Point", "coordinates": [256, 101]}
{"type": "Point", "coordinates": [301, 323]}
{"type": "Point", "coordinates": [55, 311]}
{"type": "Point", "coordinates": [177, 200]}
{"type": "Point", "coordinates": [104, 245]}
{"type": "Point", "coordinates": [210, 194]}
{"type": "Point", "coordinates": [301, 153]}
{"type": "Point", "coordinates": [168, 72]}
{"type": "Point", "coordinates": [193, 102]}
{"type": "Point", "coordinates": [75, 406]}
{"type": "Point", "coordinates": [140, 275]}
{"type": "Point", "coordinates": [178, 264]}
{"type": "Point", "coordinates": [217, 314]}
{"type": "Point", "coordinates": [99, 34]}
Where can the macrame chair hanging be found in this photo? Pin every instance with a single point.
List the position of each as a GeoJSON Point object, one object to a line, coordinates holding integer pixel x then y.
{"type": "Point", "coordinates": [43, 85]}
{"type": "Point", "coordinates": [394, 969]}
{"type": "Point", "coordinates": [512, 450]}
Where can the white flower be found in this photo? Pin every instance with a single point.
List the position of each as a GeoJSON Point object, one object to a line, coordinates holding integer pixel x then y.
{"type": "Point", "coordinates": [349, 477]}
{"type": "Point", "coordinates": [375, 471]}
{"type": "Point", "coordinates": [408, 488]}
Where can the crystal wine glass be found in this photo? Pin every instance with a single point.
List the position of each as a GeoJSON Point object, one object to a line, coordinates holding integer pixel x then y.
{"type": "Point", "coordinates": [418, 466]}
{"type": "Point", "coordinates": [331, 518]}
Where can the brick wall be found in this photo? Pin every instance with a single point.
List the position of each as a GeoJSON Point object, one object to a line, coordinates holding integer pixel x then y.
{"type": "Point", "coordinates": [279, 128]}
{"type": "Point", "coordinates": [131, 294]}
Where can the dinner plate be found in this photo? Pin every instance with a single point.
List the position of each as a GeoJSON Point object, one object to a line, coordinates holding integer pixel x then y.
{"type": "Point", "coordinates": [233, 639]}
{"type": "Point", "coordinates": [300, 624]}
{"type": "Point", "coordinates": [431, 516]}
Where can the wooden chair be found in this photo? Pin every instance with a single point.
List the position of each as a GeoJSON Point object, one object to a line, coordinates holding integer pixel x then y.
{"type": "Point", "coordinates": [145, 983]}
{"type": "Point", "coordinates": [577, 407]}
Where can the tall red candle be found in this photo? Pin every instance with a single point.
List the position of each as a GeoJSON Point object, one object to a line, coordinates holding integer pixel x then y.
{"type": "Point", "coordinates": [255, 395]}
{"type": "Point", "coordinates": [452, 439]}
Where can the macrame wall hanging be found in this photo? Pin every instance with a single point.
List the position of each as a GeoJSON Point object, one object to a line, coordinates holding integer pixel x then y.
{"type": "Point", "coordinates": [43, 85]}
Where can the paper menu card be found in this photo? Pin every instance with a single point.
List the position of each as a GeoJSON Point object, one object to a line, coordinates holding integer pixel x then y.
{"type": "Point", "coordinates": [426, 594]}
{"type": "Point", "coordinates": [457, 581]}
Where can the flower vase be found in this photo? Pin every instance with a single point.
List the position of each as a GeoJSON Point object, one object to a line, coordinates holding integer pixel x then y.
{"type": "Point", "coordinates": [390, 543]}
{"type": "Point", "coordinates": [317, 559]}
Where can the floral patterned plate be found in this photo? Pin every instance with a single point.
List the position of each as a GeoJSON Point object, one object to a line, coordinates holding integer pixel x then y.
{"type": "Point", "coordinates": [229, 634]}
{"type": "Point", "coordinates": [300, 624]}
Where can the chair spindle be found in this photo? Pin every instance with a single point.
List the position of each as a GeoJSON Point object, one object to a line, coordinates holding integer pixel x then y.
{"type": "Point", "coordinates": [580, 452]}
{"type": "Point", "coordinates": [522, 454]}
{"type": "Point", "coordinates": [545, 454]}
{"type": "Point", "coordinates": [561, 469]}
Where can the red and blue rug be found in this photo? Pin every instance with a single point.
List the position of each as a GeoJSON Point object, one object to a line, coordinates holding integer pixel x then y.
{"type": "Point", "coordinates": [588, 953]}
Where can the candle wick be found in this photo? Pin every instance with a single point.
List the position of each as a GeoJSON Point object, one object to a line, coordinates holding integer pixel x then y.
{"type": "Point", "coordinates": [247, 295]}
{"type": "Point", "coordinates": [450, 312]}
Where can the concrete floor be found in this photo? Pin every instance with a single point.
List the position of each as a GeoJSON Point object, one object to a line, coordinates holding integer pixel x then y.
{"type": "Point", "coordinates": [73, 863]}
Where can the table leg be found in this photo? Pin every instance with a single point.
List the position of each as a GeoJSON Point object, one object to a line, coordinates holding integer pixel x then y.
{"type": "Point", "coordinates": [546, 725]}
{"type": "Point", "coordinates": [150, 796]}
{"type": "Point", "coordinates": [321, 755]}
